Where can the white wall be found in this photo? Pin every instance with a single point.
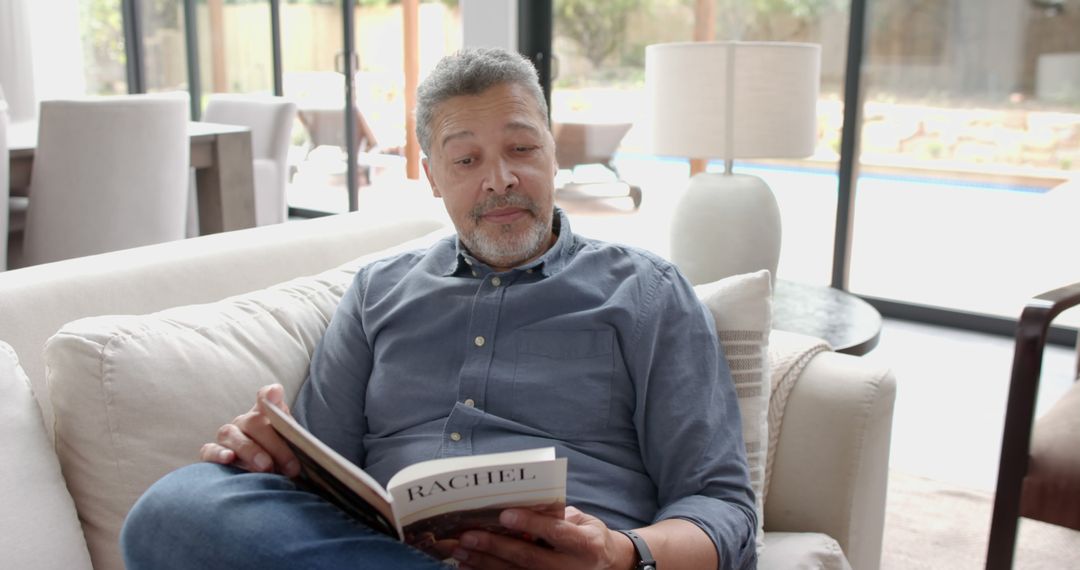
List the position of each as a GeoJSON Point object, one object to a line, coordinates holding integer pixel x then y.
{"type": "Point", "coordinates": [16, 67]}
{"type": "Point", "coordinates": [59, 70]}
{"type": "Point", "coordinates": [41, 53]}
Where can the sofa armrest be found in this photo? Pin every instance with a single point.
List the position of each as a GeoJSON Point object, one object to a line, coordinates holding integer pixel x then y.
{"type": "Point", "coordinates": [832, 456]}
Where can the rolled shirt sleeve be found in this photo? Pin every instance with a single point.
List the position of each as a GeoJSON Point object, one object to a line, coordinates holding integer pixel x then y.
{"type": "Point", "coordinates": [688, 421]}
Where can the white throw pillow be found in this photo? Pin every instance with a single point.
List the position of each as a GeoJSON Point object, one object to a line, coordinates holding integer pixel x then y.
{"type": "Point", "coordinates": [137, 396]}
{"type": "Point", "coordinates": [742, 307]}
{"type": "Point", "coordinates": [38, 524]}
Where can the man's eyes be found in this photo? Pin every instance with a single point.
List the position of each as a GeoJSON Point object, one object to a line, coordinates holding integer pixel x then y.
{"type": "Point", "coordinates": [516, 149]}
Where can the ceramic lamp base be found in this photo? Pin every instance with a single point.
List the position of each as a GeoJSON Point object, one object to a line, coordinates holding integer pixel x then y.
{"type": "Point", "coordinates": [725, 224]}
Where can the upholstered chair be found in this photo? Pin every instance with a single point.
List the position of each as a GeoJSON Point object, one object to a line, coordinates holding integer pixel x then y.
{"type": "Point", "coordinates": [109, 173]}
{"type": "Point", "coordinates": [270, 120]}
{"type": "Point", "coordinates": [1039, 473]}
{"type": "Point", "coordinates": [578, 144]}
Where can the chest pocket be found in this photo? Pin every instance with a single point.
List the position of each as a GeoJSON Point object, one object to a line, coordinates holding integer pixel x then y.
{"type": "Point", "coordinates": [563, 378]}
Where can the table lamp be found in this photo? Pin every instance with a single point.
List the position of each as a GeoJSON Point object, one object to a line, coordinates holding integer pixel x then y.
{"type": "Point", "coordinates": [730, 100]}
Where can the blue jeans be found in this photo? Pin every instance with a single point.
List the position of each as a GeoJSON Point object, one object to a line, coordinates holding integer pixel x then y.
{"type": "Point", "coordinates": [212, 516]}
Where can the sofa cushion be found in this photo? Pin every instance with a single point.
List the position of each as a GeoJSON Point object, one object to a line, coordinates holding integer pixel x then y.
{"type": "Point", "coordinates": [802, 551]}
{"type": "Point", "coordinates": [123, 387]}
{"type": "Point", "coordinates": [38, 524]}
{"type": "Point", "coordinates": [742, 308]}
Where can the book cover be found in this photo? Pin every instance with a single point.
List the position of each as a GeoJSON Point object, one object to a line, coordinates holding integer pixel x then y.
{"type": "Point", "coordinates": [432, 500]}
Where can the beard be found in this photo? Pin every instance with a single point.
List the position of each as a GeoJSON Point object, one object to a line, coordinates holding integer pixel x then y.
{"type": "Point", "coordinates": [505, 247]}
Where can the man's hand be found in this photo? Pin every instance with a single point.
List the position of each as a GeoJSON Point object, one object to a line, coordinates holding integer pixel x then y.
{"type": "Point", "coordinates": [579, 541]}
{"type": "Point", "coordinates": [248, 442]}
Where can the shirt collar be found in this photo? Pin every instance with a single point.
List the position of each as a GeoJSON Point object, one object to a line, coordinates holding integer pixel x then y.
{"type": "Point", "coordinates": [548, 264]}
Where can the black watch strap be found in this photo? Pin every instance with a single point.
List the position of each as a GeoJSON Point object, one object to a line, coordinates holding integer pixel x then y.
{"type": "Point", "coordinates": [645, 559]}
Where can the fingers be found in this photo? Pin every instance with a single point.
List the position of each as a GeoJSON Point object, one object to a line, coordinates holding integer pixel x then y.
{"type": "Point", "coordinates": [275, 394]}
{"type": "Point", "coordinates": [484, 550]}
{"type": "Point", "coordinates": [215, 453]}
{"type": "Point", "coordinates": [249, 442]}
{"type": "Point", "coordinates": [477, 552]}
{"type": "Point", "coordinates": [563, 535]}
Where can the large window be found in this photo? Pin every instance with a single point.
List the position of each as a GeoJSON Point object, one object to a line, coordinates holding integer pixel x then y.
{"type": "Point", "coordinates": [968, 167]}
{"type": "Point", "coordinates": [165, 62]}
{"type": "Point", "coordinates": [314, 78]}
{"type": "Point", "coordinates": [970, 138]}
{"type": "Point", "coordinates": [600, 49]}
{"type": "Point", "coordinates": [235, 46]}
{"type": "Point", "coordinates": [101, 28]}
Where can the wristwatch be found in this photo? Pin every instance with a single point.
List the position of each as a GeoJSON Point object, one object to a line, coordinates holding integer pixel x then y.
{"type": "Point", "coordinates": [644, 556]}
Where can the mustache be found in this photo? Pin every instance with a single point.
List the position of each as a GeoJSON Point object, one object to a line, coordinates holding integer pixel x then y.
{"type": "Point", "coordinates": [507, 201]}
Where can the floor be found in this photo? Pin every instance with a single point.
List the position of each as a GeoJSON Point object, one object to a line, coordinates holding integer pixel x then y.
{"type": "Point", "coordinates": [952, 387]}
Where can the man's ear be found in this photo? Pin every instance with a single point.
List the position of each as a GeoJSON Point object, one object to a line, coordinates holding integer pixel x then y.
{"type": "Point", "coordinates": [431, 181]}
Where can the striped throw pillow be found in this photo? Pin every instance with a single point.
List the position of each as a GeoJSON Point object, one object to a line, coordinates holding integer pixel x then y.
{"type": "Point", "coordinates": [742, 307]}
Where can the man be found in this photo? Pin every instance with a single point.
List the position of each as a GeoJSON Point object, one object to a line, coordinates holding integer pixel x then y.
{"type": "Point", "coordinates": [514, 334]}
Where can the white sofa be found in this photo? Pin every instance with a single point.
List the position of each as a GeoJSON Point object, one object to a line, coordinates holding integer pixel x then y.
{"type": "Point", "coordinates": [77, 453]}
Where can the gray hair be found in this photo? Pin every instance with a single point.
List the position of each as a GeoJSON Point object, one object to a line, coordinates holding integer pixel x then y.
{"type": "Point", "coordinates": [472, 71]}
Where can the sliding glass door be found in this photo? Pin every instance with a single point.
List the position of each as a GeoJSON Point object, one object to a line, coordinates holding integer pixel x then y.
{"type": "Point", "coordinates": [970, 153]}
{"type": "Point", "coordinates": [600, 61]}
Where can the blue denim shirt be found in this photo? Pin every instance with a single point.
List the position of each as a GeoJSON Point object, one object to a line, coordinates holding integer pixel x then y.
{"type": "Point", "coordinates": [600, 350]}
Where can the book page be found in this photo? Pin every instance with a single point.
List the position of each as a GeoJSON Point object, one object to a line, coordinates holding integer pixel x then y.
{"type": "Point", "coordinates": [338, 480]}
{"type": "Point", "coordinates": [444, 504]}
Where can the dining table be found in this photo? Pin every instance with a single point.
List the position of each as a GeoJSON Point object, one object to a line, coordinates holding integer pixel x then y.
{"type": "Point", "coordinates": [220, 154]}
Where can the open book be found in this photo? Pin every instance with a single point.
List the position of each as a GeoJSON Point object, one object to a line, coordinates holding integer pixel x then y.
{"type": "Point", "coordinates": [432, 500]}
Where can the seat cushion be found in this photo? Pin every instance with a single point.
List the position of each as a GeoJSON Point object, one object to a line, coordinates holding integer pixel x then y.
{"type": "Point", "coordinates": [801, 551]}
{"type": "Point", "coordinates": [1052, 485]}
{"type": "Point", "coordinates": [742, 308]}
{"type": "Point", "coordinates": [38, 524]}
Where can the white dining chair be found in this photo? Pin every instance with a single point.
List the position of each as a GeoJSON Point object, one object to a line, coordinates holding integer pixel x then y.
{"type": "Point", "coordinates": [109, 173]}
{"type": "Point", "coordinates": [271, 121]}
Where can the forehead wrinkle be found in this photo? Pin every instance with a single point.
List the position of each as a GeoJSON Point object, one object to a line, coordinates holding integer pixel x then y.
{"type": "Point", "coordinates": [518, 125]}
{"type": "Point", "coordinates": [456, 135]}
{"type": "Point", "coordinates": [519, 109]}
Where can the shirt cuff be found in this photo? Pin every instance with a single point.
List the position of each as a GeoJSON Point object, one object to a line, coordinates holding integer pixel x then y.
{"type": "Point", "coordinates": [731, 527]}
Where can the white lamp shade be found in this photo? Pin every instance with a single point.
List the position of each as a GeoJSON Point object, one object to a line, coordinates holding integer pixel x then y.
{"type": "Point", "coordinates": [773, 88]}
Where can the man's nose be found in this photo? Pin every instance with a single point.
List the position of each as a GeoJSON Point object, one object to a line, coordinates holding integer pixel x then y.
{"type": "Point", "coordinates": [500, 178]}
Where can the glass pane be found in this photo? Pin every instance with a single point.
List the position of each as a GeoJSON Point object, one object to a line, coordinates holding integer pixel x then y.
{"type": "Point", "coordinates": [102, 31]}
{"type": "Point", "coordinates": [970, 137]}
{"type": "Point", "coordinates": [311, 45]}
{"type": "Point", "coordinates": [313, 66]}
{"type": "Point", "coordinates": [235, 53]}
{"type": "Point", "coordinates": [164, 45]}
{"type": "Point", "coordinates": [600, 50]}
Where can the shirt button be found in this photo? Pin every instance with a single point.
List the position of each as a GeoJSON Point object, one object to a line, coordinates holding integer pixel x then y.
{"type": "Point", "coordinates": [479, 341]}
{"type": "Point", "coordinates": [474, 273]}
{"type": "Point", "coordinates": [470, 402]}
{"type": "Point", "coordinates": [455, 436]}
{"type": "Point", "coordinates": [528, 271]}
{"type": "Point", "coordinates": [495, 281]}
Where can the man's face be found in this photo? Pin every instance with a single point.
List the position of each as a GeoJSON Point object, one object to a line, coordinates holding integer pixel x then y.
{"type": "Point", "coordinates": [493, 163]}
